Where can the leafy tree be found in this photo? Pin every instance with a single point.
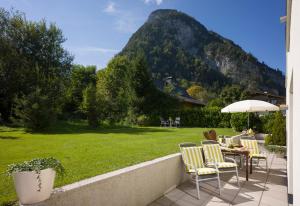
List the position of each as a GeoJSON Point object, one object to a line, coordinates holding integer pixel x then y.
{"type": "Point", "coordinates": [113, 89]}
{"type": "Point", "coordinates": [89, 105]}
{"type": "Point", "coordinates": [81, 77]}
{"type": "Point", "coordinates": [216, 102]}
{"type": "Point", "coordinates": [25, 46]}
{"type": "Point", "coordinates": [231, 94]}
{"type": "Point", "coordinates": [279, 130]}
{"type": "Point", "coordinates": [34, 111]}
{"type": "Point", "coordinates": [198, 92]}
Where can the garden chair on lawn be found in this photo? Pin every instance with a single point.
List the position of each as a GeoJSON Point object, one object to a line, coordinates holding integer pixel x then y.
{"type": "Point", "coordinates": [252, 146]}
{"type": "Point", "coordinates": [213, 156]}
{"type": "Point", "coordinates": [193, 160]}
{"type": "Point", "coordinates": [177, 122]}
{"type": "Point", "coordinates": [163, 122]}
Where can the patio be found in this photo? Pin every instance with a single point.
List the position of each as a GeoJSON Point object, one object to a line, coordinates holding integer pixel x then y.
{"type": "Point", "coordinates": [262, 189]}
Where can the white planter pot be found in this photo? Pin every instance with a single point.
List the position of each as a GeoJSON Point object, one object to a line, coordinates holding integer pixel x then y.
{"type": "Point", "coordinates": [27, 185]}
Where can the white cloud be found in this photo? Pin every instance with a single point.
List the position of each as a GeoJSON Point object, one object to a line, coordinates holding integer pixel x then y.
{"type": "Point", "coordinates": [110, 8]}
{"type": "Point", "coordinates": [124, 21]}
{"type": "Point", "coordinates": [157, 2]}
{"type": "Point", "coordinates": [95, 49]}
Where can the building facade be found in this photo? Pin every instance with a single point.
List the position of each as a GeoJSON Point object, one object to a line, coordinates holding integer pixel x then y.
{"type": "Point", "coordinates": [293, 99]}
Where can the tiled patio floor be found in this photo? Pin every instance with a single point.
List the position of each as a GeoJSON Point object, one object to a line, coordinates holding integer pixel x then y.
{"type": "Point", "coordinates": [262, 189]}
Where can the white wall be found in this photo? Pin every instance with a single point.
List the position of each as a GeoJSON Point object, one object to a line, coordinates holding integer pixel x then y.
{"type": "Point", "coordinates": [136, 185]}
{"type": "Point", "coordinates": [293, 98]}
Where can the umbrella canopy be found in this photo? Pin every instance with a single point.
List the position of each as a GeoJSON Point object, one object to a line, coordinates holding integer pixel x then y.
{"type": "Point", "coordinates": [250, 106]}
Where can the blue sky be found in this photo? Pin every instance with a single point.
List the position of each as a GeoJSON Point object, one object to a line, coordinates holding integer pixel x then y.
{"type": "Point", "coordinates": [98, 29]}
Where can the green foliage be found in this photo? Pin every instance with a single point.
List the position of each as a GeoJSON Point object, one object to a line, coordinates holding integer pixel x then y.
{"type": "Point", "coordinates": [198, 92]}
{"type": "Point", "coordinates": [89, 105]}
{"type": "Point", "coordinates": [239, 121]}
{"type": "Point", "coordinates": [25, 46]}
{"type": "Point", "coordinates": [267, 122]}
{"type": "Point", "coordinates": [231, 94]}
{"type": "Point", "coordinates": [113, 89]}
{"type": "Point", "coordinates": [279, 130]}
{"type": "Point", "coordinates": [34, 111]}
{"type": "Point", "coordinates": [37, 165]}
{"type": "Point", "coordinates": [216, 102]}
{"type": "Point", "coordinates": [81, 77]}
{"type": "Point", "coordinates": [268, 140]}
{"type": "Point", "coordinates": [199, 117]}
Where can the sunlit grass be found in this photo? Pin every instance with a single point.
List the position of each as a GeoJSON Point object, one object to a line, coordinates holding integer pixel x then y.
{"type": "Point", "coordinates": [87, 152]}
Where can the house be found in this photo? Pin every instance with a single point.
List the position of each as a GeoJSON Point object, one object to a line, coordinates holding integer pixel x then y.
{"type": "Point", "coordinates": [292, 20]}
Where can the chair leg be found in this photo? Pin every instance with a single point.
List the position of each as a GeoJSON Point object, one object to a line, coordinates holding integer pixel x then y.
{"type": "Point", "coordinates": [219, 183]}
{"type": "Point", "coordinates": [198, 190]}
{"type": "Point", "coordinates": [237, 177]}
{"type": "Point", "coordinates": [257, 162]}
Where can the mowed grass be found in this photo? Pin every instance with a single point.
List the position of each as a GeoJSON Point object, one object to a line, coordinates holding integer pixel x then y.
{"type": "Point", "coordinates": [87, 152]}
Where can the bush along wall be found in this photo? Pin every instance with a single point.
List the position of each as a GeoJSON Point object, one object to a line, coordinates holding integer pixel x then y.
{"type": "Point", "coordinates": [210, 117]}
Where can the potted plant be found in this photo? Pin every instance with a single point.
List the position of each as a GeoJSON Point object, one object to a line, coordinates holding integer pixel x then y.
{"type": "Point", "coordinates": [34, 179]}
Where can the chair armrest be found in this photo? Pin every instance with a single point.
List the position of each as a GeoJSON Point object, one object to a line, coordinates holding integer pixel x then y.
{"type": "Point", "coordinates": [230, 159]}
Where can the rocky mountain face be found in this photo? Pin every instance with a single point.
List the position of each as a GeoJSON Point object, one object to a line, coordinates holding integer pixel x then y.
{"type": "Point", "coordinates": [177, 45]}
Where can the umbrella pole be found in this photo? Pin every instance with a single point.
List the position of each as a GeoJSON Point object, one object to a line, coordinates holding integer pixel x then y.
{"type": "Point", "coordinates": [248, 120]}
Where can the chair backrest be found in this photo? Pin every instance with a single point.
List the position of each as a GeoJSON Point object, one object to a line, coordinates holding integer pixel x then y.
{"type": "Point", "coordinates": [192, 156]}
{"type": "Point", "coordinates": [187, 144]}
{"type": "Point", "coordinates": [248, 137]}
{"type": "Point", "coordinates": [212, 152]}
{"type": "Point", "coordinates": [228, 141]}
{"type": "Point", "coordinates": [251, 145]}
{"type": "Point", "coordinates": [177, 118]}
{"type": "Point", "coordinates": [209, 142]}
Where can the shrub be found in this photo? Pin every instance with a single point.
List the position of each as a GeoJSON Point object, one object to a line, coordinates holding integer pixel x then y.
{"type": "Point", "coordinates": [239, 121]}
{"type": "Point", "coordinates": [210, 117]}
{"type": "Point", "coordinates": [34, 111]}
{"type": "Point", "coordinates": [267, 123]}
{"type": "Point", "coordinates": [89, 105]}
{"type": "Point", "coordinates": [268, 140]}
{"type": "Point", "coordinates": [279, 129]}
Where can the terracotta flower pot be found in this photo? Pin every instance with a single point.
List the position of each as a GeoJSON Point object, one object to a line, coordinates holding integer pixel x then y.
{"type": "Point", "coordinates": [32, 189]}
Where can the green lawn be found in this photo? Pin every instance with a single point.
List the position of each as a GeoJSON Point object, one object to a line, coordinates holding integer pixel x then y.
{"type": "Point", "coordinates": [88, 152]}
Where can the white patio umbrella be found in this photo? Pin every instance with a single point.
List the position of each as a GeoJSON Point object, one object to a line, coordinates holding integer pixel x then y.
{"type": "Point", "coordinates": [250, 106]}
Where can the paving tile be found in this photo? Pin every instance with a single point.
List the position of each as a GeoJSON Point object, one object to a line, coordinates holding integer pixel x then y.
{"type": "Point", "coordinates": [262, 189]}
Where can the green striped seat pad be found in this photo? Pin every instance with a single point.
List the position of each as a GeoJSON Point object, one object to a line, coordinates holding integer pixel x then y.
{"type": "Point", "coordinates": [212, 152]}
{"type": "Point", "coordinates": [251, 145]}
{"type": "Point", "coordinates": [192, 156]}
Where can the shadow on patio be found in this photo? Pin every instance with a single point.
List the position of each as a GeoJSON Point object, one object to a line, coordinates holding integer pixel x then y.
{"type": "Point", "coordinates": [262, 189]}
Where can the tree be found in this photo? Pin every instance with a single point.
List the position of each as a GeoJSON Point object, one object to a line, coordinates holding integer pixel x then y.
{"type": "Point", "coordinates": [198, 92]}
{"type": "Point", "coordinates": [89, 105]}
{"type": "Point", "coordinates": [113, 89]}
{"type": "Point", "coordinates": [231, 94]}
{"type": "Point", "coordinates": [279, 130]}
{"type": "Point", "coordinates": [34, 111]}
{"type": "Point", "coordinates": [29, 50]}
{"type": "Point", "coordinates": [81, 77]}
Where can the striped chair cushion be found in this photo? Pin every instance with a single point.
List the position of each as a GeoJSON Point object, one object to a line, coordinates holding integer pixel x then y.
{"type": "Point", "coordinates": [205, 171]}
{"type": "Point", "coordinates": [259, 155]}
{"type": "Point", "coordinates": [228, 141]}
{"type": "Point", "coordinates": [213, 152]}
{"type": "Point", "coordinates": [226, 165]}
{"type": "Point", "coordinates": [251, 145]}
{"type": "Point", "coordinates": [192, 156]}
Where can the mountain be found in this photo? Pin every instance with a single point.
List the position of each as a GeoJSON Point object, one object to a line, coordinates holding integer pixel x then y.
{"type": "Point", "coordinates": [178, 46]}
